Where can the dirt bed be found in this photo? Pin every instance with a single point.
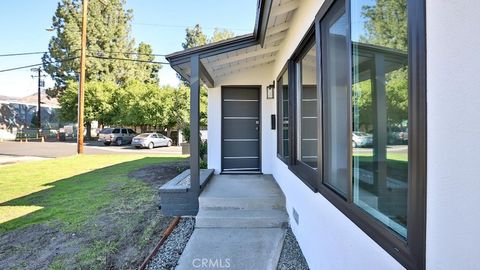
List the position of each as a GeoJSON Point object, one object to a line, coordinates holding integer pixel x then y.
{"type": "Point", "coordinates": [120, 237]}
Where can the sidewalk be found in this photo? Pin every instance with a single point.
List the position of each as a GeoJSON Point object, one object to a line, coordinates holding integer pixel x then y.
{"type": "Point", "coordinates": [241, 225]}
{"type": "Point", "coordinates": [233, 248]}
{"type": "Point", "coordinates": [6, 159]}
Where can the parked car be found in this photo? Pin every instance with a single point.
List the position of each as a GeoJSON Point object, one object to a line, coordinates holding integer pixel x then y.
{"type": "Point", "coordinates": [361, 139]}
{"type": "Point", "coordinates": [151, 140]}
{"type": "Point", "coordinates": [118, 136]}
{"type": "Point", "coordinates": [397, 135]}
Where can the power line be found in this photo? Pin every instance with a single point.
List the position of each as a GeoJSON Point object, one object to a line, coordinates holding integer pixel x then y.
{"type": "Point", "coordinates": [131, 53]}
{"type": "Point", "coordinates": [35, 65]}
{"type": "Point", "coordinates": [189, 26]}
{"type": "Point", "coordinates": [19, 54]}
{"type": "Point", "coordinates": [22, 67]}
{"type": "Point", "coordinates": [127, 59]}
{"type": "Point", "coordinates": [93, 56]}
{"type": "Point", "coordinates": [126, 53]}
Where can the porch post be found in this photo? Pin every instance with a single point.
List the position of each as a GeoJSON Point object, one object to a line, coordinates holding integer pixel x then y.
{"type": "Point", "coordinates": [195, 129]}
{"type": "Point", "coordinates": [380, 132]}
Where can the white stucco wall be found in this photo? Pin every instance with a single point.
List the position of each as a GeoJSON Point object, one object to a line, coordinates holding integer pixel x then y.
{"type": "Point", "coordinates": [453, 201]}
{"type": "Point", "coordinates": [328, 239]}
{"type": "Point", "coordinates": [255, 76]}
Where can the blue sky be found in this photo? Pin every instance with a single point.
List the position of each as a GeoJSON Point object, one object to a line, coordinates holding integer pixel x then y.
{"type": "Point", "coordinates": [160, 23]}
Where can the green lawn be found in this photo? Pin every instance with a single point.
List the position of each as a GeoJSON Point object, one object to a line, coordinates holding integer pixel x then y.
{"type": "Point", "coordinates": [402, 156]}
{"type": "Point", "coordinates": [397, 164]}
{"type": "Point", "coordinates": [88, 199]}
{"type": "Point", "coordinates": [66, 189]}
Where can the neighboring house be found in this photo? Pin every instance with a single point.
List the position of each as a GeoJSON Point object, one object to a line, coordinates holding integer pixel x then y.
{"type": "Point", "coordinates": [409, 199]}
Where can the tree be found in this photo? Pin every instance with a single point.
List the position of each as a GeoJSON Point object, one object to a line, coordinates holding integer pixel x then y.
{"type": "Point", "coordinates": [221, 34]}
{"type": "Point", "coordinates": [139, 104]}
{"type": "Point", "coordinates": [97, 103]}
{"type": "Point", "coordinates": [194, 37]}
{"type": "Point", "coordinates": [177, 105]}
{"type": "Point", "coordinates": [386, 26]}
{"type": "Point", "coordinates": [108, 36]}
{"type": "Point", "coordinates": [147, 73]}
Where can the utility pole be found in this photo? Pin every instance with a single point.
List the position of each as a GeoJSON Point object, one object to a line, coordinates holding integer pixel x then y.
{"type": "Point", "coordinates": [81, 90]}
{"type": "Point", "coordinates": [39, 76]}
{"type": "Point", "coordinates": [39, 117]}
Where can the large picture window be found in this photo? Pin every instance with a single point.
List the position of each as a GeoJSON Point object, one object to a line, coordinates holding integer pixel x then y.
{"type": "Point", "coordinates": [354, 118]}
{"type": "Point", "coordinates": [380, 110]}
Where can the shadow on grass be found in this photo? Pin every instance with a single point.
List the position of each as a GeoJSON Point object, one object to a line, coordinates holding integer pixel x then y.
{"type": "Point", "coordinates": [74, 200]}
{"type": "Point", "coordinates": [396, 169]}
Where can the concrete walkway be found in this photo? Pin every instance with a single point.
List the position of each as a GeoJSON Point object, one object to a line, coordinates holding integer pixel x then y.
{"type": "Point", "coordinates": [6, 159]}
{"type": "Point", "coordinates": [241, 224]}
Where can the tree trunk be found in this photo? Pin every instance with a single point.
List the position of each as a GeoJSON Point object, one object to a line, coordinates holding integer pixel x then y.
{"type": "Point", "coordinates": [89, 129]}
{"type": "Point", "coordinates": [169, 132]}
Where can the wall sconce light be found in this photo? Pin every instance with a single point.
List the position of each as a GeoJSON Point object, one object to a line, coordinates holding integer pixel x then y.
{"type": "Point", "coordinates": [271, 91]}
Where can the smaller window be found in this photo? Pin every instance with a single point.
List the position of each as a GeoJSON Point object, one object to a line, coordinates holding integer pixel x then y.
{"type": "Point", "coordinates": [116, 130]}
{"type": "Point", "coordinates": [307, 123]}
{"type": "Point", "coordinates": [106, 131]}
{"type": "Point", "coordinates": [154, 136]}
{"type": "Point", "coordinates": [283, 117]}
{"type": "Point", "coordinates": [336, 99]}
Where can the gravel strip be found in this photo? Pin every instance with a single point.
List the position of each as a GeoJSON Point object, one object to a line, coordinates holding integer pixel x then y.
{"type": "Point", "coordinates": [169, 253]}
{"type": "Point", "coordinates": [291, 257]}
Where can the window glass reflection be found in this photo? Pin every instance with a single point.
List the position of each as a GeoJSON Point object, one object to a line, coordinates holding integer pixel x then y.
{"type": "Point", "coordinates": [335, 54]}
{"type": "Point", "coordinates": [307, 103]}
{"type": "Point", "coordinates": [283, 90]}
{"type": "Point", "coordinates": [380, 110]}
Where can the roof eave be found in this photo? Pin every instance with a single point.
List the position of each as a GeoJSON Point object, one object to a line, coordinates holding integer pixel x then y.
{"type": "Point", "coordinates": [181, 57]}
{"type": "Point", "coordinates": [258, 36]}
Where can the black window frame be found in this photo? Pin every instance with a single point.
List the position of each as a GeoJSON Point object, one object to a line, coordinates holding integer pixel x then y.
{"type": "Point", "coordinates": [280, 101]}
{"type": "Point", "coordinates": [409, 252]}
{"type": "Point", "coordinates": [307, 174]}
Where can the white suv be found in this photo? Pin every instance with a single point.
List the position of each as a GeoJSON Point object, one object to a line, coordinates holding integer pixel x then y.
{"type": "Point", "coordinates": [118, 136]}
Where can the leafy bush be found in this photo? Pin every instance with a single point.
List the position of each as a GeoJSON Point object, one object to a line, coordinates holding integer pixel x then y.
{"type": "Point", "coordinates": [203, 149]}
{"type": "Point", "coordinates": [186, 133]}
{"type": "Point", "coordinates": [203, 154]}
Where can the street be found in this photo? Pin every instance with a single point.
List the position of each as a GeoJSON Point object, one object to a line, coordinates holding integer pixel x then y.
{"type": "Point", "coordinates": [11, 152]}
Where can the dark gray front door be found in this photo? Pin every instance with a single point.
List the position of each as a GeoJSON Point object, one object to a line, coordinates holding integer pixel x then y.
{"type": "Point", "coordinates": [241, 129]}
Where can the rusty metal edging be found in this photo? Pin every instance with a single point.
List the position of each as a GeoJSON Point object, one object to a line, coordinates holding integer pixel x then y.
{"type": "Point", "coordinates": [165, 235]}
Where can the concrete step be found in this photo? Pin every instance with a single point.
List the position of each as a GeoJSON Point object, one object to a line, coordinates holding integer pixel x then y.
{"type": "Point", "coordinates": [245, 202]}
{"type": "Point", "coordinates": [242, 192]}
{"type": "Point", "coordinates": [235, 218]}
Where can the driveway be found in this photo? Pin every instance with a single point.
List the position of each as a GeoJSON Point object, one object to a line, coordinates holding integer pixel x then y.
{"type": "Point", "coordinates": [61, 149]}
